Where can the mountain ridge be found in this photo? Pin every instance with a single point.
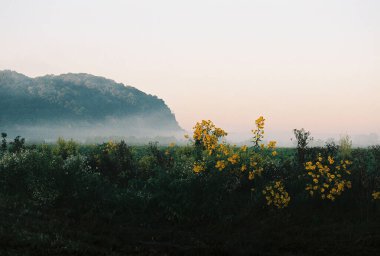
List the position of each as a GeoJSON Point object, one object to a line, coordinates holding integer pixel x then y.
{"type": "Point", "coordinates": [83, 101]}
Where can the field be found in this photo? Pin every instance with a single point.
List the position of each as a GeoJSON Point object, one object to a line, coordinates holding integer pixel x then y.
{"type": "Point", "coordinates": [208, 197]}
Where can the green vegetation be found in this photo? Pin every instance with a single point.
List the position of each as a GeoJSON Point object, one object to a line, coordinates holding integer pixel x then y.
{"type": "Point", "coordinates": [204, 198]}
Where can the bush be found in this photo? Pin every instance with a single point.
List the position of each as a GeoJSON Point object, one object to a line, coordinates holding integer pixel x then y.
{"type": "Point", "coordinates": [30, 175]}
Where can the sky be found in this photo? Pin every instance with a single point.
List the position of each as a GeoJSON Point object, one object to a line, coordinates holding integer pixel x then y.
{"type": "Point", "coordinates": [300, 64]}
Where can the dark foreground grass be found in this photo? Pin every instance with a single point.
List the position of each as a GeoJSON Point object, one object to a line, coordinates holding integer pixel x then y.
{"type": "Point", "coordinates": [291, 232]}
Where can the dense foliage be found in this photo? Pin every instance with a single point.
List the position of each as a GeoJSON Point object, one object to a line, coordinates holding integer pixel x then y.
{"type": "Point", "coordinates": [111, 197]}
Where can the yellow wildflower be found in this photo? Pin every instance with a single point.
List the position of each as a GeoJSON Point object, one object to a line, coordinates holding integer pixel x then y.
{"type": "Point", "coordinates": [198, 167]}
{"type": "Point", "coordinates": [376, 195]}
{"type": "Point", "coordinates": [272, 144]}
{"type": "Point", "coordinates": [220, 165]}
{"type": "Point", "coordinates": [233, 159]}
{"type": "Point", "coordinates": [260, 122]}
{"type": "Point", "coordinates": [276, 195]}
{"type": "Point", "coordinates": [251, 175]}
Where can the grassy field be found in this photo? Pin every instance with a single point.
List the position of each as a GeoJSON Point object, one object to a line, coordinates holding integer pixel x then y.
{"type": "Point", "coordinates": [208, 197]}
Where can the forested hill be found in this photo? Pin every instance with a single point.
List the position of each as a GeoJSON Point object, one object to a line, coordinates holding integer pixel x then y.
{"type": "Point", "coordinates": [81, 104]}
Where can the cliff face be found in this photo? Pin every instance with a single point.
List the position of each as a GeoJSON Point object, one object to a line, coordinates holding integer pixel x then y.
{"type": "Point", "coordinates": [80, 104]}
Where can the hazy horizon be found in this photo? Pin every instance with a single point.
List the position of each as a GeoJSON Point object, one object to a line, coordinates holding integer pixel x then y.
{"type": "Point", "coordinates": [300, 64]}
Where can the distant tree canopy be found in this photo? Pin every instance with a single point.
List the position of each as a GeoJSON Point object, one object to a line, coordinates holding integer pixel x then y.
{"type": "Point", "coordinates": [72, 98]}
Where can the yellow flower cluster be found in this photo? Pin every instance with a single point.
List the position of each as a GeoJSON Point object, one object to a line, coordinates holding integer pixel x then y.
{"type": "Point", "coordinates": [276, 195]}
{"type": "Point", "coordinates": [198, 167]}
{"type": "Point", "coordinates": [223, 149]}
{"type": "Point", "coordinates": [255, 162]}
{"type": "Point", "coordinates": [258, 133]}
{"type": "Point", "coordinates": [238, 160]}
{"type": "Point", "coordinates": [234, 159]}
{"type": "Point", "coordinates": [260, 122]}
{"type": "Point", "coordinates": [376, 195]}
{"type": "Point", "coordinates": [207, 135]}
{"type": "Point", "coordinates": [326, 179]}
{"type": "Point", "coordinates": [272, 144]}
{"type": "Point", "coordinates": [252, 174]}
{"type": "Point", "coordinates": [220, 165]}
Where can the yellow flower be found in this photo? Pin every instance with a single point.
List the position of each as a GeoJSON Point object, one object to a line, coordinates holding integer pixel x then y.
{"type": "Point", "coordinates": [220, 165]}
{"type": "Point", "coordinates": [330, 159]}
{"type": "Point", "coordinates": [376, 195]}
{"type": "Point", "coordinates": [276, 195]}
{"type": "Point", "coordinates": [274, 153]}
{"type": "Point", "coordinates": [251, 175]}
{"type": "Point", "coordinates": [198, 167]}
{"type": "Point", "coordinates": [347, 162]}
{"type": "Point", "coordinates": [253, 163]}
{"type": "Point", "coordinates": [310, 166]}
{"type": "Point", "coordinates": [259, 132]}
{"type": "Point", "coordinates": [233, 159]}
{"type": "Point", "coordinates": [260, 122]}
{"type": "Point", "coordinates": [272, 144]}
{"type": "Point", "coordinates": [207, 135]}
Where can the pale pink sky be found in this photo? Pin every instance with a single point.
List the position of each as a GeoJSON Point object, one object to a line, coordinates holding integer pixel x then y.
{"type": "Point", "coordinates": [311, 64]}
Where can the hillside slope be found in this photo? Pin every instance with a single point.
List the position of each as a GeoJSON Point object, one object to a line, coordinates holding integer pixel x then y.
{"type": "Point", "coordinates": [80, 105]}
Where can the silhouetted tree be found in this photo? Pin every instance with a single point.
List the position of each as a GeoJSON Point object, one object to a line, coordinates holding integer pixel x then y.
{"type": "Point", "coordinates": [3, 142]}
{"type": "Point", "coordinates": [17, 145]}
{"type": "Point", "coordinates": [303, 139]}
